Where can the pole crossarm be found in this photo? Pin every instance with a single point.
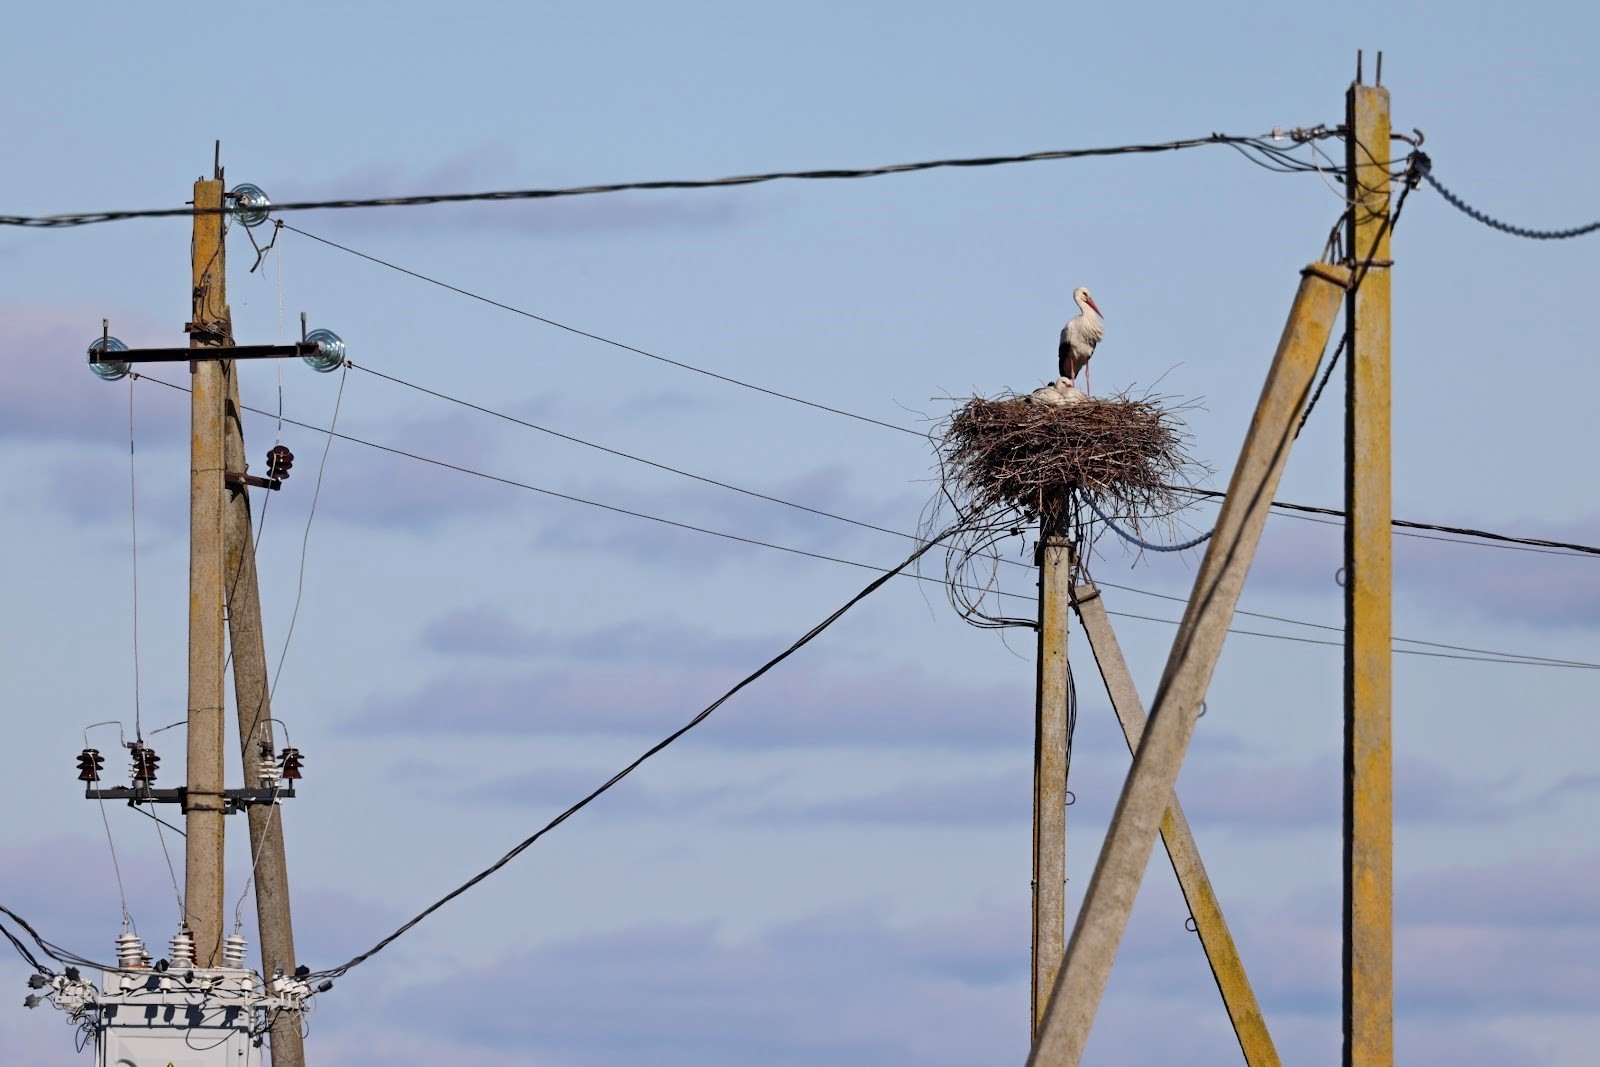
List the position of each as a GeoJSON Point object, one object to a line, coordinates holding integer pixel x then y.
{"type": "Point", "coordinates": [1147, 790]}
{"type": "Point", "coordinates": [189, 355]}
{"type": "Point", "coordinates": [1249, 1025]}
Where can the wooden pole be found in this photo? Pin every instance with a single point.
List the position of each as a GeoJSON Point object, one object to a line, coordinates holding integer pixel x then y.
{"type": "Point", "coordinates": [254, 706]}
{"type": "Point", "coordinates": [204, 812]}
{"type": "Point", "coordinates": [1148, 789]}
{"type": "Point", "coordinates": [1050, 764]}
{"type": "Point", "coordinates": [1226, 966]}
{"type": "Point", "coordinates": [1368, 777]}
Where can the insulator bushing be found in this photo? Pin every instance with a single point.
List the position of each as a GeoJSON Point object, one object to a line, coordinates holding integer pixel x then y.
{"type": "Point", "coordinates": [268, 772]}
{"type": "Point", "coordinates": [89, 763]}
{"type": "Point", "coordinates": [291, 760]}
{"type": "Point", "coordinates": [130, 951]}
{"type": "Point", "coordinates": [145, 762]}
{"type": "Point", "coordinates": [181, 948]}
{"type": "Point", "coordinates": [233, 950]}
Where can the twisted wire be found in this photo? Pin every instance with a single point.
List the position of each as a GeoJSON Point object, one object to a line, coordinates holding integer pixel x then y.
{"type": "Point", "coordinates": [1425, 168]}
{"type": "Point", "coordinates": [88, 218]}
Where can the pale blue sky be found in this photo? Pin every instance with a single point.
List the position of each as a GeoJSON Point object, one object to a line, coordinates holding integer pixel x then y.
{"type": "Point", "coordinates": [835, 867]}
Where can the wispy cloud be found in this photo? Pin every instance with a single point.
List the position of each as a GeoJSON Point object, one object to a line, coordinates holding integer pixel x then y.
{"type": "Point", "coordinates": [840, 987]}
{"type": "Point", "coordinates": [489, 632]}
{"type": "Point", "coordinates": [794, 706]}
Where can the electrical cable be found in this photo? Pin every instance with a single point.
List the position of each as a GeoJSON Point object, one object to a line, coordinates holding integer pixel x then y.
{"type": "Point", "coordinates": [133, 524]}
{"type": "Point", "coordinates": [1403, 524]}
{"type": "Point", "coordinates": [305, 543]}
{"type": "Point", "coordinates": [732, 536]}
{"type": "Point", "coordinates": [1425, 169]}
{"type": "Point", "coordinates": [629, 456]}
{"type": "Point", "coordinates": [1139, 542]}
{"type": "Point", "coordinates": [606, 340]}
{"type": "Point", "coordinates": [88, 218]}
{"type": "Point", "coordinates": [1553, 661]}
{"type": "Point", "coordinates": [1484, 535]}
{"type": "Point", "coordinates": [805, 639]}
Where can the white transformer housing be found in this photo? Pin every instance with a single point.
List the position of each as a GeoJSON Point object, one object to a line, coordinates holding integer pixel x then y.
{"type": "Point", "coordinates": [194, 1018]}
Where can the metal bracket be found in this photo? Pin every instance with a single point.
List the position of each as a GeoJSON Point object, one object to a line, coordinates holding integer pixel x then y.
{"type": "Point", "coordinates": [235, 799]}
{"type": "Point", "coordinates": [233, 478]}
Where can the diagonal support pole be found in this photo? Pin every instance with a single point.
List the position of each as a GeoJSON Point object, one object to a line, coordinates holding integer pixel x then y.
{"type": "Point", "coordinates": [1145, 794]}
{"type": "Point", "coordinates": [1226, 967]}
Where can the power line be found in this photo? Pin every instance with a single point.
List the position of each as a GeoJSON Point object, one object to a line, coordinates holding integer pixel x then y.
{"type": "Point", "coordinates": [1425, 168]}
{"type": "Point", "coordinates": [1403, 524]}
{"type": "Point", "coordinates": [1514, 656]}
{"type": "Point", "coordinates": [88, 218]}
{"type": "Point", "coordinates": [723, 534]}
{"type": "Point", "coordinates": [603, 340]}
{"type": "Point", "coordinates": [527, 842]}
{"type": "Point", "coordinates": [1484, 535]}
{"type": "Point", "coordinates": [626, 455]}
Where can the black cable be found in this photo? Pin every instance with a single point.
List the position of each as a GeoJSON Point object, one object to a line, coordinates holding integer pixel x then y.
{"type": "Point", "coordinates": [805, 639]}
{"type": "Point", "coordinates": [1407, 524]}
{"type": "Point", "coordinates": [629, 456]}
{"type": "Point", "coordinates": [1305, 416]}
{"type": "Point", "coordinates": [800, 551]}
{"type": "Point", "coordinates": [1425, 169]}
{"type": "Point", "coordinates": [824, 407]}
{"type": "Point", "coordinates": [1498, 538]}
{"type": "Point", "coordinates": [87, 218]}
{"type": "Point", "coordinates": [1519, 656]}
{"type": "Point", "coordinates": [604, 340]}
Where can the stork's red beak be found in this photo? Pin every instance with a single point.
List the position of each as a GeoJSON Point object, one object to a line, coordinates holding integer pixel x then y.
{"type": "Point", "coordinates": [1090, 301]}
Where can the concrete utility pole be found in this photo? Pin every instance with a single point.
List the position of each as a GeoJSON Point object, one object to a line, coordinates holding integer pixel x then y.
{"type": "Point", "coordinates": [205, 809]}
{"type": "Point", "coordinates": [1368, 767]}
{"type": "Point", "coordinates": [1226, 967]}
{"type": "Point", "coordinates": [1147, 791]}
{"type": "Point", "coordinates": [256, 743]}
{"type": "Point", "coordinates": [1050, 763]}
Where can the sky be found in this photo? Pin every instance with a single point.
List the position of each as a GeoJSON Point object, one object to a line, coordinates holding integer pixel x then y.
{"type": "Point", "coordinates": [834, 867]}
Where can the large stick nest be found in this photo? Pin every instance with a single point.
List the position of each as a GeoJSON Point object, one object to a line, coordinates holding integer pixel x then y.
{"type": "Point", "coordinates": [1011, 462]}
{"type": "Point", "coordinates": [1013, 453]}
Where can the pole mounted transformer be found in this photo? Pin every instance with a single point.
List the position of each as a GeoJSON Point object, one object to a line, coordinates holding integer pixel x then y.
{"type": "Point", "coordinates": [203, 1006]}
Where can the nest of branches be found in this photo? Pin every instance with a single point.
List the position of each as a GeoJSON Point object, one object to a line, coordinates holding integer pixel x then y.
{"type": "Point", "coordinates": [1011, 453]}
{"type": "Point", "coordinates": [1010, 462]}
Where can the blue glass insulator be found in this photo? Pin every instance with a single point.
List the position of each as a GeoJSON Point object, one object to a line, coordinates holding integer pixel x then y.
{"type": "Point", "coordinates": [109, 371]}
{"type": "Point", "coordinates": [251, 205]}
{"type": "Point", "coordinates": [330, 351]}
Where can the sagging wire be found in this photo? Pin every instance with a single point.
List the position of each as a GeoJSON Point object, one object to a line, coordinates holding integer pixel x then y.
{"type": "Point", "coordinates": [88, 218]}
{"type": "Point", "coordinates": [526, 843]}
{"type": "Point", "coordinates": [116, 867]}
{"type": "Point", "coordinates": [272, 810]}
{"type": "Point", "coordinates": [1425, 170]}
{"type": "Point", "coordinates": [791, 550]}
{"type": "Point", "coordinates": [133, 524]}
{"type": "Point", "coordinates": [305, 543]}
{"type": "Point", "coordinates": [183, 908]}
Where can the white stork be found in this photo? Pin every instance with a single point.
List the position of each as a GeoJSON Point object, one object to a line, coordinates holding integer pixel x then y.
{"type": "Point", "coordinates": [1079, 337]}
